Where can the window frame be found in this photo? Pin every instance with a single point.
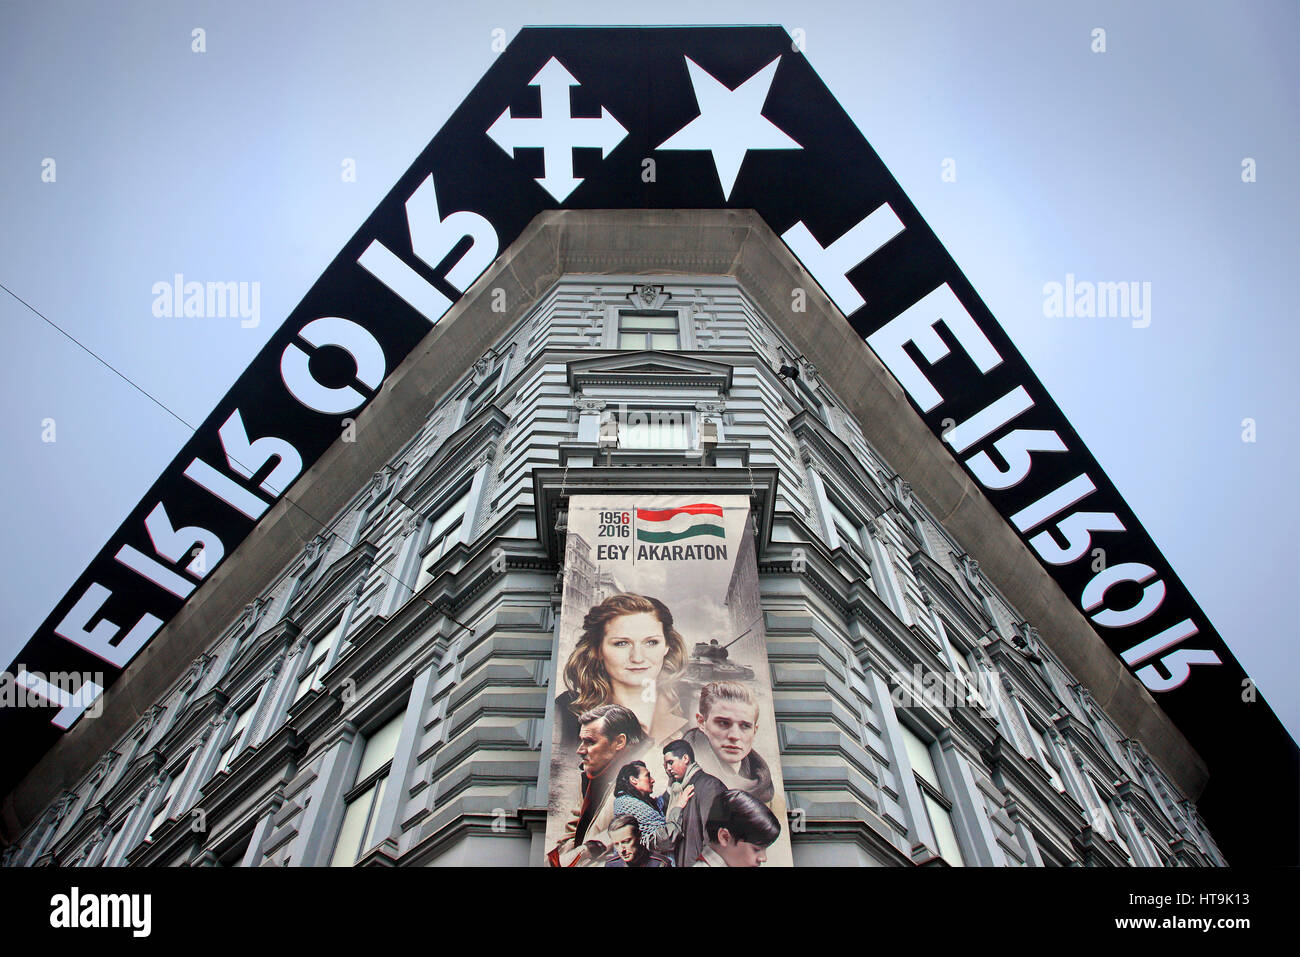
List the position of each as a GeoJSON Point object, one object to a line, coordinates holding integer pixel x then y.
{"type": "Point", "coordinates": [811, 400]}
{"type": "Point", "coordinates": [808, 395]}
{"type": "Point", "coordinates": [689, 426]}
{"type": "Point", "coordinates": [1055, 772]}
{"type": "Point", "coordinates": [312, 664]}
{"type": "Point", "coordinates": [374, 784]}
{"type": "Point", "coordinates": [1110, 813]}
{"type": "Point", "coordinates": [477, 395]}
{"type": "Point", "coordinates": [648, 332]}
{"type": "Point", "coordinates": [957, 648]}
{"type": "Point", "coordinates": [232, 746]}
{"type": "Point", "coordinates": [117, 833]}
{"type": "Point", "coordinates": [482, 393]}
{"type": "Point", "coordinates": [302, 580]}
{"type": "Point", "coordinates": [932, 793]}
{"type": "Point", "coordinates": [367, 512]}
{"type": "Point", "coordinates": [423, 559]}
{"type": "Point", "coordinates": [159, 814]}
{"type": "Point", "coordinates": [857, 544]}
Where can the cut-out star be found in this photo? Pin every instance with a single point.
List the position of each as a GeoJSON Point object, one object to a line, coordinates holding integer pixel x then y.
{"type": "Point", "coordinates": [731, 122]}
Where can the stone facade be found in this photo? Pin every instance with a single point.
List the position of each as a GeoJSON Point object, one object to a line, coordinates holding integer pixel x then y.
{"type": "Point", "coordinates": [386, 697]}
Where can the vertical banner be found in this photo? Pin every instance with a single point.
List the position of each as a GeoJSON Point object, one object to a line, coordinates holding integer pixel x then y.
{"type": "Point", "coordinates": [664, 751]}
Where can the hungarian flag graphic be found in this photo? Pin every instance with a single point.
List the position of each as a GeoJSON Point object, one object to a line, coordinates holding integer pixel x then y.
{"type": "Point", "coordinates": [674, 524]}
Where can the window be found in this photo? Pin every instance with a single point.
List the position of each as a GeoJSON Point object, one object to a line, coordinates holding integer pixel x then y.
{"type": "Point", "coordinates": [1048, 757]}
{"type": "Point", "coordinates": [363, 800]}
{"type": "Point", "coordinates": [851, 537]}
{"type": "Point", "coordinates": [316, 661]}
{"type": "Point", "coordinates": [82, 803]}
{"type": "Point", "coordinates": [654, 429]}
{"type": "Point", "coordinates": [810, 400]}
{"type": "Point", "coordinates": [444, 532]}
{"type": "Point", "coordinates": [937, 807]}
{"type": "Point", "coordinates": [958, 655]}
{"type": "Point", "coordinates": [303, 580]}
{"type": "Point", "coordinates": [233, 856]}
{"type": "Point", "coordinates": [964, 670]}
{"type": "Point", "coordinates": [1115, 831]}
{"type": "Point", "coordinates": [366, 515]}
{"type": "Point", "coordinates": [115, 837]}
{"type": "Point", "coordinates": [231, 747]}
{"type": "Point", "coordinates": [160, 813]}
{"type": "Point", "coordinates": [846, 530]}
{"type": "Point", "coordinates": [482, 393]}
{"type": "Point", "coordinates": [648, 330]}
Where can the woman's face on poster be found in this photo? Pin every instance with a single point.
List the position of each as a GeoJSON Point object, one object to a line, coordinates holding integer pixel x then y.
{"type": "Point", "coordinates": [644, 782]}
{"type": "Point", "coordinates": [633, 649]}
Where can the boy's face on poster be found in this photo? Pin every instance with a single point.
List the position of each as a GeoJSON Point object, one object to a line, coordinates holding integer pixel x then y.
{"type": "Point", "coordinates": [633, 649]}
{"type": "Point", "coordinates": [739, 853]}
{"type": "Point", "coordinates": [730, 728]}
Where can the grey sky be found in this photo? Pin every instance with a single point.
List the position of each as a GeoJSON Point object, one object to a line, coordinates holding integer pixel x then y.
{"type": "Point", "coordinates": [1115, 166]}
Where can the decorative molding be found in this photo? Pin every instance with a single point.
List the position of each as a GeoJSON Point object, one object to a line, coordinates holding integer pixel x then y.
{"type": "Point", "coordinates": [273, 668]}
{"type": "Point", "coordinates": [636, 369]}
{"type": "Point", "coordinates": [380, 482]}
{"type": "Point", "coordinates": [648, 296]}
{"type": "Point", "coordinates": [317, 547]}
{"type": "Point", "coordinates": [838, 460]}
{"type": "Point", "coordinates": [253, 611]}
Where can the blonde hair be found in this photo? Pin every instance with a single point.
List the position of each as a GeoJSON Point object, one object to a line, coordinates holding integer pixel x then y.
{"type": "Point", "coordinates": [716, 691]}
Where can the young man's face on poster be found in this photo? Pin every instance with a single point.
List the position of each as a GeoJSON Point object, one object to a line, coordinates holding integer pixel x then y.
{"type": "Point", "coordinates": [730, 728]}
{"type": "Point", "coordinates": [676, 765]}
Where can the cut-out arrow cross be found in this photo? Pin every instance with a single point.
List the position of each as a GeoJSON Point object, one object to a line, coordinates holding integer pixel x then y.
{"type": "Point", "coordinates": [557, 132]}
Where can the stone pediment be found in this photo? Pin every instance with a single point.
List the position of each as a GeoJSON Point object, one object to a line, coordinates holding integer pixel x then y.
{"type": "Point", "coordinates": [649, 368]}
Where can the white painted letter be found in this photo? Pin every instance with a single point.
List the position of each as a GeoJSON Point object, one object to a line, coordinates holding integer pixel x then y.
{"type": "Point", "coordinates": [1094, 593]}
{"type": "Point", "coordinates": [829, 266]}
{"type": "Point", "coordinates": [916, 325]}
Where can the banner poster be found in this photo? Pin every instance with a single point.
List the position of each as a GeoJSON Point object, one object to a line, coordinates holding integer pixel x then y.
{"type": "Point", "coordinates": [664, 752]}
